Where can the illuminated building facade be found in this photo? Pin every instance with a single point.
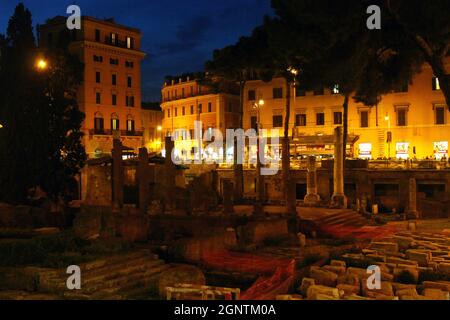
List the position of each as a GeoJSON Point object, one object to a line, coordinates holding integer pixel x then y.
{"type": "Point", "coordinates": [185, 102]}
{"type": "Point", "coordinates": [152, 122]}
{"type": "Point", "coordinates": [110, 94]}
{"type": "Point", "coordinates": [413, 122]}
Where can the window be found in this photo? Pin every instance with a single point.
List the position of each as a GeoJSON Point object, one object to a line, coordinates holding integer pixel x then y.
{"type": "Point", "coordinates": [200, 107]}
{"type": "Point", "coordinates": [277, 121]}
{"type": "Point", "coordinates": [320, 119]}
{"type": "Point", "coordinates": [114, 99]}
{"type": "Point", "coordinates": [98, 58]}
{"type": "Point", "coordinates": [183, 111]}
{"type": "Point", "coordinates": [209, 107]}
{"type": "Point", "coordinates": [176, 112]}
{"type": "Point", "coordinates": [251, 95]}
{"type": "Point", "coordinates": [130, 43]}
{"type": "Point", "coordinates": [300, 120]}
{"type": "Point", "coordinates": [319, 91]}
{"type": "Point", "coordinates": [113, 38]}
{"type": "Point", "coordinates": [254, 122]}
{"type": "Point", "coordinates": [335, 89]}
{"type": "Point", "coordinates": [364, 119]}
{"type": "Point", "coordinates": [114, 79]}
{"type": "Point", "coordinates": [192, 91]}
{"type": "Point", "coordinates": [129, 81]}
{"type": "Point", "coordinates": [436, 86]}
{"type": "Point", "coordinates": [115, 123]}
{"type": "Point", "coordinates": [337, 117]}
{"type": "Point", "coordinates": [114, 62]}
{"type": "Point", "coordinates": [130, 125]}
{"type": "Point", "coordinates": [98, 124]}
{"type": "Point", "coordinates": [129, 64]}
{"type": "Point", "coordinates": [97, 35]}
{"type": "Point", "coordinates": [97, 77]}
{"type": "Point", "coordinates": [278, 93]}
{"type": "Point", "coordinates": [129, 101]}
{"type": "Point", "coordinates": [182, 92]}
{"type": "Point", "coordinates": [168, 113]}
{"type": "Point", "coordinates": [192, 109]}
{"type": "Point", "coordinates": [98, 97]}
{"type": "Point", "coordinates": [440, 114]}
{"type": "Point", "coordinates": [401, 117]}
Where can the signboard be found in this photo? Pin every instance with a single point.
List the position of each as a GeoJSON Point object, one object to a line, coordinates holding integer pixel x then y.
{"type": "Point", "coordinates": [402, 150]}
{"type": "Point", "coordinates": [365, 151]}
{"type": "Point", "coordinates": [441, 149]}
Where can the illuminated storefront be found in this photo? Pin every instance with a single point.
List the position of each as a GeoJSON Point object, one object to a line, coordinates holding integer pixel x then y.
{"type": "Point", "coordinates": [441, 150]}
{"type": "Point", "coordinates": [365, 151]}
{"type": "Point", "coordinates": [402, 150]}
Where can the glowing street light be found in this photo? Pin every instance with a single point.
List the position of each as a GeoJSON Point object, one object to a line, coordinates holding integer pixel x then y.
{"type": "Point", "coordinates": [159, 128]}
{"type": "Point", "coordinates": [41, 64]}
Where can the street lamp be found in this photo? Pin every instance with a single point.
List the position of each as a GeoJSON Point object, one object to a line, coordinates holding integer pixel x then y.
{"type": "Point", "coordinates": [41, 64]}
{"type": "Point", "coordinates": [389, 134]}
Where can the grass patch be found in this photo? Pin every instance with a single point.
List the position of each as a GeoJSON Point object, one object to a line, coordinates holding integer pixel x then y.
{"type": "Point", "coordinates": [56, 250]}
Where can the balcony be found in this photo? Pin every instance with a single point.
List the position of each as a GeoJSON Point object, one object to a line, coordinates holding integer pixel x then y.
{"type": "Point", "coordinates": [120, 133]}
{"type": "Point", "coordinates": [118, 43]}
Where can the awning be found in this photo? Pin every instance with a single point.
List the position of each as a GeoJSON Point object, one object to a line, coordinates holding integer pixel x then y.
{"type": "Point", "coordinates": [323, 140]}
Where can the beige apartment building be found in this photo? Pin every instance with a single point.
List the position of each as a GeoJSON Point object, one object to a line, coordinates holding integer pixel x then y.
{"type": "Point", "coordinates": [110, 94]}
{"type": "Point", "coordinates": [185, 102]}
{"type": "Point", "coordinates": [412, 123]}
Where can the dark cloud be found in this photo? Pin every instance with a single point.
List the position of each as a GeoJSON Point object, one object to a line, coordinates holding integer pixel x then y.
{"type": "Point", "coordinates": [178, 36]}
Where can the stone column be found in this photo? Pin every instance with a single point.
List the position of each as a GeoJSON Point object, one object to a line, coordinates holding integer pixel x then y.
{"type": "Point", "coordinates": [339, 199]}
{"type": "Point", "coordinates": [311, 198]}
{"type": "Point", "coordinates": [143, 180]}
{"type": "Point", "coordinates": [227, 196]}
{"type": "Point", "coordinates": [117, 174]}
{"type": "Point", "coordinates": [412, 199]}
{"type": "Point", "coordinates": [292, 197]}
{"type": "Point", "coordinates": [169, 183]}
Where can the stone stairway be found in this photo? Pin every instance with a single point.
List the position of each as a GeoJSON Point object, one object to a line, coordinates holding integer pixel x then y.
{"type": "Point", "coordinates": [120, 277]}
{"type": "Point", "coordinates": [343, 218]}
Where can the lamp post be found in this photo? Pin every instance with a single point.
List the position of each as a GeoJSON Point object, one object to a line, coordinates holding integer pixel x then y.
{"type": "Point", "coordinates": [159, 129]}
{"type": "Point", "coordinates": [389, 135]}
{"type": "Point", "coordinates": [260, 182]}
{"type": "Point", "coordinates": [41, 64]}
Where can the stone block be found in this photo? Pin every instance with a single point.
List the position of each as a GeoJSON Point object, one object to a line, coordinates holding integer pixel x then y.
{"type": "Point", "coordinates": [422, 258]}
{"type": "Point", "coordinates": [349, 279]}
{"type": "Point", "coordinates": [323, 277]}
{"type": "Point", "coordinates": [436, 294]}
{"type": "Point", "coordinates": [338, 263]}
{"type": "Point", "coordinates": [442, 285]}
{"type": "Point", "coordinates": [444, 268]}
{"type": "Point", "coordinates": [398, 261]}
{"type": "Point", "coordinates": [408, 292]}
{"type": "Point", "coordinates": [386, 290]}
{"type": "Point", "coordinates": [306, 283]}
{"type": "Point", "coordinates": [348, 289]}
{"type": "Point", "coordinates": [181, 274]}
{"type": "Point", "coordinates": [340, 271]}
{"type": "Point", "coordinates": [319, 291]}
{"type": "Point", "coordinates": [403, 242]}
{"type": "Point", "coordinates": [385, 247]}
{"type": "Point", "coordinates": [289, 297]}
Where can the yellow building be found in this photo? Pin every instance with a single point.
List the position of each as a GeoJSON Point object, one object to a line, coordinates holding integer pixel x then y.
{"type": "Point", "coordinates": [416, 119]}
{"type": "Point", "coordinates": [152, 122]}
{"type": "Point", "coordinates": [110, 94]}
{"type": "Point", "coordinates": [185, 102]}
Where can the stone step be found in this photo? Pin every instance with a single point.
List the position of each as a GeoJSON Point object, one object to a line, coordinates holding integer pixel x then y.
{"type": "Point", "coordinates": [128, 282]}
{"type": "Point", "coordinates": [107, 276]}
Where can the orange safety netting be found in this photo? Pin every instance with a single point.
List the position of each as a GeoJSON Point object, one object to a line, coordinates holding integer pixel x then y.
{"type": "Point", "coordinates": [267, 288]}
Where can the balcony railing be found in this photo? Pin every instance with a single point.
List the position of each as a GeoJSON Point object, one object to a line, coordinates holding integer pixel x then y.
{"type": "Point", "coordinates": [109, 132]}
{"type": "Point", "coordinates": [118, 43]}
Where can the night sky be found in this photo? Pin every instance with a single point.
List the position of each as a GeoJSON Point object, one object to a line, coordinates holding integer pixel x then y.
{"type": "Point", "coordinates": [178, 36]}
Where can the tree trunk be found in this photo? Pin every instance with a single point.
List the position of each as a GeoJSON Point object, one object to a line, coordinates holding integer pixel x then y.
{"type": "Point", "coordinates": [345, 131]}
{"type": "Point", "coordinates": [238, 168]}
{"type": "Point", "coordinates": [286, 156]}
{"type": "Point", "coordinates": [438, 66]}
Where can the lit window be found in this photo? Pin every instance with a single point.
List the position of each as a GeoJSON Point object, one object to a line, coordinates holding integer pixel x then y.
{"type": "Point", "coordinates": [436, 85]}
{"type": "Point", "coordinates": [337, 117]}
{"type": "Point", "coordinates": [320, 119]}
{"type": "Point", "coordinates": [335, 89]}
{"type": "Point", "coordinates": [300, 120]}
